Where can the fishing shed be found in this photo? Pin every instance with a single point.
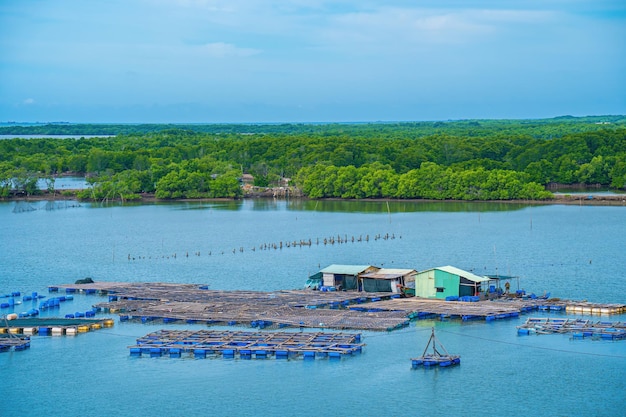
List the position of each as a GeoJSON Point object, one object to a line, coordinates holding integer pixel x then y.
{"type": "Point", "coordinates": [387, 280]}
{"type": "Point", "coordinates": [448, 281]}
{"type": "Point", "coordinates": [344, 277]}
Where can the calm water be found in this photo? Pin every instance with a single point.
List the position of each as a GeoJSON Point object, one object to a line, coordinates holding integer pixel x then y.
{"type": "Point", "coordinates": [571, 251]}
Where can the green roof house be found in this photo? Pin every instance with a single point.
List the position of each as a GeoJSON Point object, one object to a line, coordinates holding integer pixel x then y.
{"type": "Point", "coordinates": [448, 281]}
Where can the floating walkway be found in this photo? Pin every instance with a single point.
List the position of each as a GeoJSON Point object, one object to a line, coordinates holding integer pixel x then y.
{"type": "Point", "coordinates": [579, 328]}
{"type": "Point", "coordinates": [248, 345]}
{"type": "Point", "coordinates": [53, 326]}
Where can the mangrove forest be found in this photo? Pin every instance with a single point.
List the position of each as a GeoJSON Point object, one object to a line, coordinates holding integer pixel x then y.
{"type": "Point", "coordinates": [460, 160]}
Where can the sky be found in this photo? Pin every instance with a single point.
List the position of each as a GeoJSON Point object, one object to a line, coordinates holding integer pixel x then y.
{"type": "Point", "coordinates": [251, 61]}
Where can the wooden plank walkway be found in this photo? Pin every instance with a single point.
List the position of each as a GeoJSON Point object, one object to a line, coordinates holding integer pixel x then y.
{"type": "Point", "coordinates": [247, 344]}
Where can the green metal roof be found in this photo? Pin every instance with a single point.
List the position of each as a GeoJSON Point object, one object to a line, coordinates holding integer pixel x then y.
{"type": "Point", "coordinates": [345, 269]}
{"type": "Point", "coordinates": [457, 271]}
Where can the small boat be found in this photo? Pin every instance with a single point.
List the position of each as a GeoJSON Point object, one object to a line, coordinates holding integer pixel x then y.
{"type": "Point", "coordinates": [438, 357]}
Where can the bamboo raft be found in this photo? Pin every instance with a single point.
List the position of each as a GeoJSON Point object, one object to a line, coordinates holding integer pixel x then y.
{"type": "Point", "coordinates": [194, 303]}
{"type": "Point", "coordinates": [246, 344]}
{"type": "Point", "coordinates": [578, 327]}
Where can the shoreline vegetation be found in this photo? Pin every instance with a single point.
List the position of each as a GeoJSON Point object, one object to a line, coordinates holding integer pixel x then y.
{"type": "Point", "coordinates": [464, 160]}
{"type": "Point", "coordinates": [149, 198]}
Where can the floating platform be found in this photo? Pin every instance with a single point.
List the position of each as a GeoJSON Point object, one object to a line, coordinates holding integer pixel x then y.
{"type": "Point", "coordinates": [438, 357]}
{"type": "Point", "coordinates": [248, 345]}
{"type": "Point", "coordinates": [579, 328]}
{"type": "Point", "coordinates": [341, 310]}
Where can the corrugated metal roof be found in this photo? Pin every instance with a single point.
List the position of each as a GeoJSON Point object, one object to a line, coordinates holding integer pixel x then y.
{"type": "Point", "coordinates": [345, 269]}
{"type": "Point", "coordinates": [389, 273]}
{"type": "Point", "coordinates": [462, 273]}
{"type": "Point", "coordinates": [397, 271]}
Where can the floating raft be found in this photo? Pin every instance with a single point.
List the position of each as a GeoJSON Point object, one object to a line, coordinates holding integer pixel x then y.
{"type": "Point", "coordinates": [438, 357]}
{"type": "Point", "coordinates": [8, 342]}
{"type": "Point", "coordinates": [246, 345]}
{"type": "Point", "coordinates": [578, 327]}
{"type": "Point", "coordinates": [53, 326]}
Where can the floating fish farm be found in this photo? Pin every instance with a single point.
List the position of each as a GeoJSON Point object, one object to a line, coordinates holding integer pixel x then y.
{"type": "Point", "coordinates": [342, 310]}
{"type": "Point", "coordinates": [247, 344]}
{"type": "Point", "coordinates": [579, 328]}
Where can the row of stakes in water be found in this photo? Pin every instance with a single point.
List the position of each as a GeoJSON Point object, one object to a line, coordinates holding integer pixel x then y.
{"type": "Point", "coordinates": [50, 303]}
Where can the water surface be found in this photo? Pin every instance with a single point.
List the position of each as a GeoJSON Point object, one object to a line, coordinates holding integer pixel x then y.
{"type": "Point", "coordinates": [571, 251]}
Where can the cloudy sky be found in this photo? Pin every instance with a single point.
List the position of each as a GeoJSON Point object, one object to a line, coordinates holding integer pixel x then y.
{"type": "Point", "coordinates": [310, 60]}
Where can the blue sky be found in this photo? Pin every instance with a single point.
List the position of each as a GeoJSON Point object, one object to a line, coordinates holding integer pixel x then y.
{"type": "Point", "coordinates": [217, 61]}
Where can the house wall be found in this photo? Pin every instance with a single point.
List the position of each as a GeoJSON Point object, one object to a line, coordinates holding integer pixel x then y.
{"type": "Point", "coordinates": [425, 284]}
{"type": "Point", "coordinates": [329, 280]}
{"type": "Point", "coordinates": [449, 283]}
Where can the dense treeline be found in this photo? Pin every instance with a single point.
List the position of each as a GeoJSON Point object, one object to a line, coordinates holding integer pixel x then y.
{"type": "Point", "coordinates": [468, 160]}
{"type": "Point", "coordinates": [538, 128]}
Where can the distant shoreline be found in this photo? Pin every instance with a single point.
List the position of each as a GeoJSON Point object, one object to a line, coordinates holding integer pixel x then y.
{"type": "Point", "coordinates": [569, 199]}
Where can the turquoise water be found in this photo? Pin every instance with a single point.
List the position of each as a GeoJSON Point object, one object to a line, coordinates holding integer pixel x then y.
{"type": "Point", "coordinates": [571, 251]}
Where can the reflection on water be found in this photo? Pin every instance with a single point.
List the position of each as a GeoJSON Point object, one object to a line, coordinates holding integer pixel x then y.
{"type": "Point", "coordinates": [327, 206]}
{"type": "Point", "coordinates": [363, 206]}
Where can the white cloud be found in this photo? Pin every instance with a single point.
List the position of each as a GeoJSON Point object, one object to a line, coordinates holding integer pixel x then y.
{"type": "Point", "coordinates": [28, 101]}
{"type": "Point", "coordinates": [223, 50]}
{"type": "Point", "coordinates": [418, 26]}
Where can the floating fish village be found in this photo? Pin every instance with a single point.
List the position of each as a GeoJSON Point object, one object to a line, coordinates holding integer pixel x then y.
{"type": "Point", "coordinates": [338, 298]}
